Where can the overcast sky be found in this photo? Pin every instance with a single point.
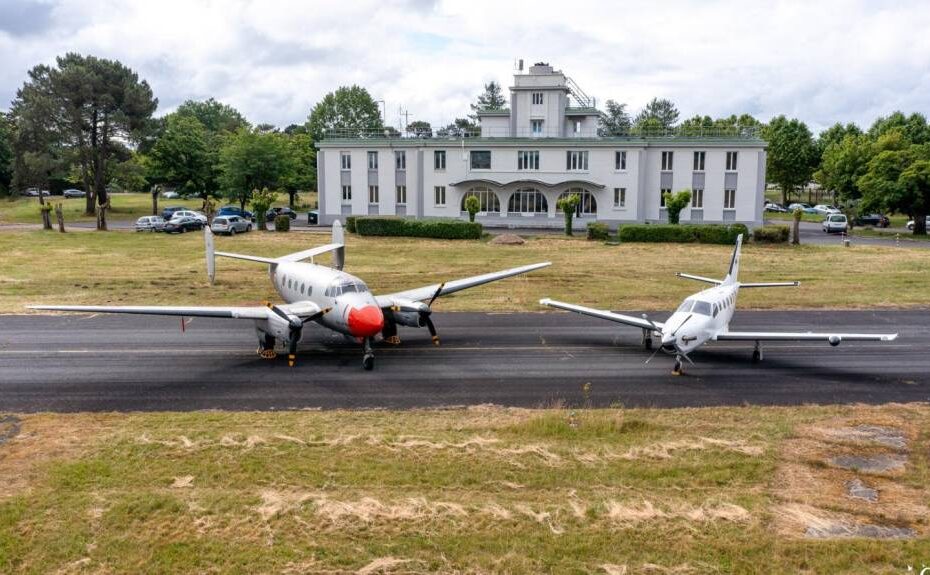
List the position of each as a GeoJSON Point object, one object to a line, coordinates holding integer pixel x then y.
{"type": "Point", "coordinates": [823, 61]}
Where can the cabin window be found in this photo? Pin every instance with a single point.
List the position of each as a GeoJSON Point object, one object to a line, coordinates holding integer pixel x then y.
{"type": "Point", "coordinates": [716, 310]}
{"type": "Point", "coordinates": [702, 307]}
{"type": "Point", "coordinates": [685, 306]}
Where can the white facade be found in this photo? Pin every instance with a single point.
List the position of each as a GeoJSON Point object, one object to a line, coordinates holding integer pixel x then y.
{"type": "Point", "coordinates": [538, 150]}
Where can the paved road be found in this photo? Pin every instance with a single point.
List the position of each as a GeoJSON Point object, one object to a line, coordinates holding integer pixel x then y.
{"type": "Point", "coordinates": [75, 362]}
{"type": "Point", "coordinates": [812, 233]}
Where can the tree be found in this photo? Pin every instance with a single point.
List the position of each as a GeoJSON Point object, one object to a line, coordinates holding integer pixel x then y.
{"type": "Point", "coordinates": [92, 105]}
{"type": "Point", "coordinates": [299, 174]}
{"type": "Point", "coordinates": [420, 129]}
{"type": "Point", "coordinates": [472, 206]}
{"type": "Point", "coordinates": [913, 128]}
{"type": "Point", "coordinates": [662, 111]}
{"type": "Point", "coordinates": [835, 135]}
{"type": "Point", "coordinates": [568, 204]}
{"type": "Point", "coordinates": [460, 128]}
{"type": "Point", "coordinates": [349, 111]}
{"type": "Point", "coordinates": [214, 116]}
{"type": "Point", "coordinates": [491, 99]}
{"type": "Point", "coordinates": [250, 161]}
{"type": "Point", "coordinates": [696, 126]}
{"type": "Point", "coordinates": [261, 202]}
{"type": "Point", "coordinates": [615, 121]}
{"type": "Point", "coordinates": [131, 175]}
{"type": "Point", "coordinates": [898, 178]}
{"type": "Point", "coordinates": [792, 154]}
{"type": "Point", "coordinates": [6, 153]}
{"type": "Point", "coordinates": [674, 203]}
{"type": "Point", "coordinates": [181, 155]}
{"type": "Point", "coordinates": [842, 163]}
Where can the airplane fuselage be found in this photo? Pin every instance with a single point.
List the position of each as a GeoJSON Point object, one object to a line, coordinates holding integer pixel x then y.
{"type": "Point", "coordinates": [699, 318]}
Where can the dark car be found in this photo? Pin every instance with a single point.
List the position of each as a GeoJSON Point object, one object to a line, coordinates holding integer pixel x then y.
{"type": "Point", "coordinates": [169, 211]}
{"type": "Point", "coordinates": [181, 225]}
{"type": "Point", "coordinates": [877, 220]}
{"type": "Point", "coordinates": [313, 217]}
{"type": "Point", "coordinates": [271, 214]}
{"type": "Point", "coordinates": [235, 211]}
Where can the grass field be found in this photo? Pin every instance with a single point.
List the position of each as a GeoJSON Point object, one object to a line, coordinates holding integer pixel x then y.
{"type": "Point", "coordinates": [124, 207]}
{"type": "Point", "coordinates": [131, 268]}
{"type": "Point", "coordinates": [480, 490]}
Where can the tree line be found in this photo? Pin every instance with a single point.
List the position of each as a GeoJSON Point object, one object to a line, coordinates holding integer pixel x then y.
{"type": "Point", "coordinates": [90, 121]}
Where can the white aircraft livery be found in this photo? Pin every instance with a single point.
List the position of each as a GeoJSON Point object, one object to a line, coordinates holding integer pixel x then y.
{"type": "Point", "coordinates": [705, 316]}
{"type": "Point", "coordinates": [315, 293]}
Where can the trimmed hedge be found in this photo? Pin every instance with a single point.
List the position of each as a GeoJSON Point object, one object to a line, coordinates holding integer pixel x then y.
{"type": "Point", "coordinates": [771, 234]}
{"type": "Point", "coordinates": [350, 224]}
{"type": "Point", "coordinates": [598, 231]}
{"type": "Point", "coordinates": [701, 234]}
{"type": "Point", "coordinates": [440, 229]}
{"type": "Point", "coordinates": [282, 223]}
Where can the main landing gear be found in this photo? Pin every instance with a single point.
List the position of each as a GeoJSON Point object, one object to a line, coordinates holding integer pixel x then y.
{"type": "Point", "coordinates": [757, 353]}
{"type": "Point", "coordinates": [677, 370]}
{"type": "Point", "coordinates": [368, 361]}
{"type": "Point", "coordinates": [266, 347]}
{"type": "Point", "coordinates": [647, 339]}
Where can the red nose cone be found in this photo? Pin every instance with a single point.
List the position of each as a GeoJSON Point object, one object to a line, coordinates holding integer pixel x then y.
{"type": "Point", "coordinates": [366, 321]}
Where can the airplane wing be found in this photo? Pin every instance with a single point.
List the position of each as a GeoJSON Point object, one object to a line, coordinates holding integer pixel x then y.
{"type": "Point", "coordinates": [426, 292]}
{"type": "Point", "coordinates": [604, 314]}
{"type": "Point", "coordinates": [300, 309]}
{"type": "Point", "coordinates": [803, 336]}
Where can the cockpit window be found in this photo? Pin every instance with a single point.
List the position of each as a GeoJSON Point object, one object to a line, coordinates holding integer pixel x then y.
{"type": "Point", "coordinates": [342, 286]}
{"type": "Point", "coordinates": [685, 306]}
{"type": "Point", "coordinates": [702, 307]}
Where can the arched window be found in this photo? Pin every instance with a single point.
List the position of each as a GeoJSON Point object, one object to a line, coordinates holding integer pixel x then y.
{"type": "Point", "coordinates": [588, 205]}
{"type": "Point", "coordinates": [490, 204]}
{"type": "Point", "coordinates": [528, 201]}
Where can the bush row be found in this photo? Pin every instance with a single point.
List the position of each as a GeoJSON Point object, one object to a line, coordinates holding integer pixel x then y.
{"type": "Point", "coordinates": [392, 226]}
{"type": "Point", "coordinates": [771, 234]}
{"type": "Point", "coordinates": [598, 231]}
{"type": "Point", "coordinates": [684, 233]}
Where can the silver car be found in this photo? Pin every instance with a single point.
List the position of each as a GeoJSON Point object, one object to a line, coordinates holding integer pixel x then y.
{"type": "Point", "coordinates": [836, 223]}
{"type": "Point", "coordinates": [230, 225]}
{"type": "Point", "coordinates": [150, 224]}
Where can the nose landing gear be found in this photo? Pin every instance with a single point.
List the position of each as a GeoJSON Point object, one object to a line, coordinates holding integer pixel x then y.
{"type": "Point", "coordinates": [677, 370]}
{"type": "Point", "coordinates": [757, 353]}
{"type": "Point", "coordinates": [368, 360]}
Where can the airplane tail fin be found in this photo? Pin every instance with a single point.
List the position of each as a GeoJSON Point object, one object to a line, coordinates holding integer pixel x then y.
{"type": "Point", "coordinates": [210, 253]}
{"type": "Point", "coordinates": [339, 239]}
{"type": "Point", "coordinates": [733, 273]}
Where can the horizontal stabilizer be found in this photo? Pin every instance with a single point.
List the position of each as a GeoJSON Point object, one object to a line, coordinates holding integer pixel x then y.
{"type": "Point", "coordinates": [769, 284]}
{"type": "Point", "coordinates": [269, 261]}
{"type": "Point", "coordinates": [699, 278]}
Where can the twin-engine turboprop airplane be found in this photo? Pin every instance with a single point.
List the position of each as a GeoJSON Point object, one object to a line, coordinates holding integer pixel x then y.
{"type": "Point", "coordinates": [705, 316]}
{"type": "Point", "coordinates": [315, 293]}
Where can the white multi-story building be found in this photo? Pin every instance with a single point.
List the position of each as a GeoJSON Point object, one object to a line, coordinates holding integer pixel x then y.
{"type": "Point", "coordinates": [542, 148]}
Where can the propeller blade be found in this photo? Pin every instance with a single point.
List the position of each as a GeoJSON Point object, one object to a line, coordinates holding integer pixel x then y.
{"type": "Point", "coordinates": [684, 355]}
{"type": "Point", "coordinates": [436, 295]}
{"type": "Point", "coordinates": [316, 316]}
{"type": "Point", "coordinates": [432, 328]}
{"type": "Point", "coordinates": [658, 349]}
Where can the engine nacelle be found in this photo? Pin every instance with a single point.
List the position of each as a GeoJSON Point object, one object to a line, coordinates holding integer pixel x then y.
{"type": "Point", "coordinates": [409, 313]}
{"type": "Point", "coordinates": [835, 340]}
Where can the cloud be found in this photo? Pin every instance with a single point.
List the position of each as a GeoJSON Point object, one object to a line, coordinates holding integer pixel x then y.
{"type": "Point", "coordinates": [829, 61]}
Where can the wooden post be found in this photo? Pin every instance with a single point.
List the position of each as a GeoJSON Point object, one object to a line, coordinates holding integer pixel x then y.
{"type": "Point", "coordinates": [59, 214]}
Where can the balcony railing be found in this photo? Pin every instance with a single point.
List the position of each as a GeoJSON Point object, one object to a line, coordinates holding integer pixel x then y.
{"type": "Point", "coordinates": [729, 132]}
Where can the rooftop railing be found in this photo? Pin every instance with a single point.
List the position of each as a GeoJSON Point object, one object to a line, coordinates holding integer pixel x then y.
{"type": "Point", "coordinates": [679, 132]}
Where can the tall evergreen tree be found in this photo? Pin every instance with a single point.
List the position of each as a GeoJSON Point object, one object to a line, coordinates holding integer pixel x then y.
{"type": "Point", "coordinates": [658, 112]}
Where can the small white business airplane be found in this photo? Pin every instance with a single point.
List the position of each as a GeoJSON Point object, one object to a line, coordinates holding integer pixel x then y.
{"type": "Point", "coordinates": [705, 316]}
{"type": "Point", "coordinates": [326, 295]}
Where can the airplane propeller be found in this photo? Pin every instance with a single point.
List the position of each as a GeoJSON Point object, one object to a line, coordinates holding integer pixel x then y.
{"type": "Point", "coordinates": [424, 310]}
{"type": "Point", "coordinates": [295, 328]}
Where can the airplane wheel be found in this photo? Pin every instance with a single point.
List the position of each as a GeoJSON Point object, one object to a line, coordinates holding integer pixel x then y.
{"type": "Point", "coordinates": [183, 230]}
{"type": "Point", "coordinates": [756, 356]}
{"type": "Point", "coordinates": [232, 231]}
{"type": "Point", "coordinates": [648, 343]}
{"type": "Point", "coordinates": [368, 362]}
{"type": "Point", "coordinates": [677, 369]}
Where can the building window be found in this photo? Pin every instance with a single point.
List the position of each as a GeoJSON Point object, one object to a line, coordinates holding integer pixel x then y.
{"type": "Point", "coordinates": [577, 126]}
{"type": "Point", "coordinates": [699, 161]}
{"type": "Point", "coordinates": [667, 158]}
{"type": "Point", "coordinates": [576, 161]}
{"type": "Point", "coordinates": [346, 159]}
{"type": "Point", "coordinates": [372, 160]}
{"type": "Point", "coordinates": [697, 198]}
{"type": "Point", "coordinates": [537, 98]}
{"type": "Point", "coordinates": [401, 195]}
{"type": "Point", "coordinates": [488, 200]}
{"type": "Point", "coordinates": [400, 160]}
{"type": "Point", "coordinates": [620, 160]}
{"type": "Point", "coordinates": [439, 160]}
{"type": "Point", "coordinates": [729, 199]}
{"type": "Point", "coordinates": [346, 194]}
{"type": "Point", "coordinates": [481, 159]}
{"type": "Point", "coordinates": [662, 193]}
{"type": "Point", "coordinates": [619, 197]}
{"type": "Point", "coordinates": [528, 160]}
{"type": "Point", "coordinates": [373, 194]}
{"type": "Point", "coordinates": [731, 161]}
{"type": "Point", "coordinates": [528, 201]}
{"type": "Point", "coordinates": [439, 195]}
{"type": "Point", "coordinates": [587, 206]}
{"type": "Point", "coordinates": [537, 127]}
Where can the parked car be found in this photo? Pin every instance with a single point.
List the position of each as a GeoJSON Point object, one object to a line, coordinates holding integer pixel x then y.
{"type": "Point", "coordinates": [170, 211]}
{"type": "Point", "coordinates": [803, 207]}
{"type": "Point", "coordinates": [73, 193]}
{"type": "Point", "coordinates": [150, 224]}
{"type": "Point", "coordinates": [773, 207]}
{"type": "Point", "coordinates": [910, 224]}
{"type": "Point", "coordinates": [183, 224]}
{"type": "Point", "coordinates": [230, 225]}
{"type": "Point", "coordinates": [313, 217]}
{"type": "Point", "coordinates": [170, 195]}
{"type": "Point", "coordinates": [35, 192]}
{"type": "Point", "coordinates": [835, 223]}
{"type": "Point", "coordinates": [877, 220]}
{"type": "Point", "coordinates": [189, 214]}
{"type": "Point", "coordinates": [826, 210]}
{"type": "Point", "coordinates": [235, 211]}
{"type": "Point", "coordinates": [271, 214]}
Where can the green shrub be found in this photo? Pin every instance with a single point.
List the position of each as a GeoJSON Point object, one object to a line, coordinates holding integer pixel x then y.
{"type": "Point", "coordinates": [394, 226]}
{"type": "Point", "coordinates": [350, 224]}
{"type": "Point", "coordinates": [598, 231]}
{"type": "Point", "coordinates": [282, 223]}
{"type": "Point", "coordinates": [702, 234]}
{"type": "Point", "coordinates": [771, 234]}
